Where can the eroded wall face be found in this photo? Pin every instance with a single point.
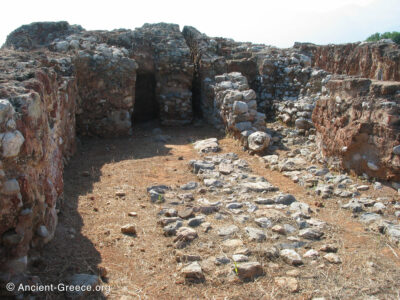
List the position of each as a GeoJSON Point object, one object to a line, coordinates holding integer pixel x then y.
{"type": "Point", "coordinates": [358, 126]}
{"type": "Point", "coordinates": [379, 61]}
{"type": "Point", "coordinates": [37, 134]}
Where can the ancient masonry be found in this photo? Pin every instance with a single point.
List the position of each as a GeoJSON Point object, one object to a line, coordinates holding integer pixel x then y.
{"type": "Point", "coordinates": [58, 80]}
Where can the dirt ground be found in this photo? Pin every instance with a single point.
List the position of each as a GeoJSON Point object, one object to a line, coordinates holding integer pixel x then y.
{"type": "Point", "coordinates": [89, 240]}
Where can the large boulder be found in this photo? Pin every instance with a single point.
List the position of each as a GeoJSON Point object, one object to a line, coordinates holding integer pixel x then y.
{"type": "Point", "coordinates": [258, 141]}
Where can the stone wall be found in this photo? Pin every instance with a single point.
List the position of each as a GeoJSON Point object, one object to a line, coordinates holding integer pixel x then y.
{"type": "Point", "coordinates": [358, 126]}
{"type": "Point", "coordinates": [380, 61]}
{"type": "Point", "coordinates": [37, 134]}
{"type": "Point", "coordinates": [106, 87]}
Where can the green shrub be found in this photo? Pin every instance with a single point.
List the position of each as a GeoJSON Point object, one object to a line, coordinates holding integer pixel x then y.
{"type": "Point", "coordinates": [394, 36]}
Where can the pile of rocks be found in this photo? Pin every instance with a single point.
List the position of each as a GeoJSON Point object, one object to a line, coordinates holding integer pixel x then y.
{"type": "Point", "coordinates": [236, 106]}
{"type": "Point", "coordinates": [304, 164]}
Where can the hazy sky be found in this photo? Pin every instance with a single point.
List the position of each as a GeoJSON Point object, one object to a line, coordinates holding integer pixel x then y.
{"type": "Point", "coordinates": [277, 22]}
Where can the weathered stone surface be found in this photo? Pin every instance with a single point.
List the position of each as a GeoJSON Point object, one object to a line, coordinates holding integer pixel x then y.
{"type": "Point", "coordinates": [291, 257]}
{"type": "Point", "coordinates": [193, 272]}
{"type": "Point", "coordinates": [258, 141]}
{"type": "Point", "coordinates": [255, 234]}
{"type": "Point", "coordinates": [358, 126]}
{"type": "Point", "coordinates": [128, 229]}
{"type": "Point", "coordinates": [207, 146]}
{"type": "Point", "coordinates": [370, 60]}
{"type": "Point", "coordinates": [228, 230]}
{"type": "Point", "coordinates": [288, 283]}
{"type": "Point", "coordinates": [333, 258]}
{"type": "Point", "coordinates": [11, 143]}
{"type": "Point", "coordinates": [249, 270]}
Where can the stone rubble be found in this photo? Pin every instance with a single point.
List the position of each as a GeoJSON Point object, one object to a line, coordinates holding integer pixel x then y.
{"type": "Point", "coordinates": [240, 222]}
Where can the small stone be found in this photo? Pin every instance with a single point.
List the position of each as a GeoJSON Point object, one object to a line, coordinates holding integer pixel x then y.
{"type": "Point", "coordinates": [171, 212]}
{"type": "Point", "coordinates": [377, 185]}
{"type": "Point", "coordinates": [196, 221]}
{"type": "Point", "coordinates": [193, 272]}
{"type": "Point", "coordinates": [328, 248]}
{"type": "Point", "coordinates": [42, 231]}
{"type": "Point", "coordinates": [189, 186]}
{"type": "Point", "coordinates": [379, 208]}
{"type": "Point", "coordinates": [372, 166]}
{"type": "Point", "coordinates": [120, 193]}
{"type": "Point", "coordinates": [185, 234]}
{"type": "Point", "coordinates": [311, 254]}
{"type": "Point", "coordinates": [156, 197]}
{"type": "Point", "coordinates": [255, 234]}
{"type": "Point", "coordinates": [279, 229]}
{"type": "Point", "coordinates": [228, 230]}
{"type": "Point", "coordinates": [240, 258]}
{"type": "Point", "coordinates": [369, 218]}
{"type": "Point", "coordinates": [332, 258]}
{"type": "Point", "coordinates": [263, 222]}
{"type": "Point", "coordinates": [396, 150]}
{"type": "Point", "coordinates": [225, 169]}
{"type": "Point", "coordinates": [222, 260]}
{"type": "Point", "coordinates": [234, 205]}
{"type": "Point", "coordinates": [285, 199]}
{"type": "Point", "coordinates": [132, 214]}
{"type": "Point", "coordinates": [363, 188]}
{"type": "Point", "coordinates": [181, 257]}
{"type": "Point", "coordinates": [128, 229]}
{"type": "Point", "coordinates": [10, 187]}
{"type": "Point", "coordinates": [265, 201]}
{"type": "Point", "coordinates": [185, 213]}
{"type": "Point", "coordinates": [311, 233]}
{"type": "Point", "coordinates": [206, 226]}
{"type": "Point", "coordinates": [172, 228]}
{"type": "Point", "coordinates": [168, 220]}
{"type": "Point", "coordinates": [291, 257]}
{"type": "Point", "coordinates": [287, 283]}
{"type": "Point", "coordinates": [249, 270]}
{"type": "Point", "coordinates": [11, 143]}
{"type": "Point", "coordinates": [207, 146]}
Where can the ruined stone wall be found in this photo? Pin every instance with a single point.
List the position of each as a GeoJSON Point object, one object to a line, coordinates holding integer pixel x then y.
{"type": "Point", "coordinates": [106, 86]}
{"type": "Point", "coordinates": [380, 61]}
{"type": "Point", "coordinates": [37, 134]}
{"type": "Point", "coordinates": [84, 81]}
{"type": "Point", "coordinates": [358, 126]}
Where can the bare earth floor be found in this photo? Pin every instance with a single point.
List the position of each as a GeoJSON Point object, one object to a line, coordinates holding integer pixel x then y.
{"type": "Point", "coordinates": [89, 239]}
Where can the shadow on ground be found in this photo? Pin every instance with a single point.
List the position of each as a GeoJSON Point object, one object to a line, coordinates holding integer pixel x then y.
{"type": "Point", "coordinates": [71, 252]}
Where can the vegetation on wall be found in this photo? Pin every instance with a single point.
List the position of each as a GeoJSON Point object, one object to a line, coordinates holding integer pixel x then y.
{"type": "Point", "coordinates": [394, 36]}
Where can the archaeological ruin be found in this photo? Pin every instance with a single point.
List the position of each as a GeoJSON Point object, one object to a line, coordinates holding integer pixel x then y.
{"type": "Point", "coordinates": [59, 82]}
